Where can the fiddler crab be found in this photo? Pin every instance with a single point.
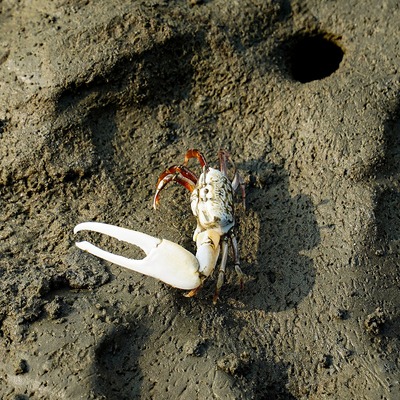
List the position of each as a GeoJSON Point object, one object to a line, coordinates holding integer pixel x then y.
{"type": "Point", "coordinates": [211, 201]}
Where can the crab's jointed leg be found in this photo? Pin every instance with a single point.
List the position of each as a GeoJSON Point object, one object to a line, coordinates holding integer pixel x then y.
{"type": "Point", "coordinates": [224, 157]}
{"type": "Point", "coordinates": [221, 272]}
{"type": "Point", "coordinates": [194, 153]}
{"type": "Point", "coordinates": [234, 245]}
{"type": "Point", "coordinates": [239, 182]}
{"type": "Point", "coordinates": [179, 174]}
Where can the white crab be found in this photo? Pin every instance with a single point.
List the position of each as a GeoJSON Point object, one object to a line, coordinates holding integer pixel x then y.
{"type": "Point", "coordinates": [212, 205]}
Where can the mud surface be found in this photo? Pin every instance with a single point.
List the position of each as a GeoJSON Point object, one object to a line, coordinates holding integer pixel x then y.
{"type": "Point", "coordinates": [97, 98]}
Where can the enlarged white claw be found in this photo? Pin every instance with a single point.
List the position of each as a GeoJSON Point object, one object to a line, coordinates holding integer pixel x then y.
{"type": "Point", "coordinates": [165, 260]}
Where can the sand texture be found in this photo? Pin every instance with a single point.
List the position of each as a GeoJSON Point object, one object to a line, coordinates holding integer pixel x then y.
{"type": "Point", "coordinates": [97, 98]}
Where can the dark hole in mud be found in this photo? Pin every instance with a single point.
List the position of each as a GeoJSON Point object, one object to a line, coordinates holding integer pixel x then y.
{"type": "Point", "coordinates": [3, 124]}
{"type": "Point", "coordinates": [314, 57]}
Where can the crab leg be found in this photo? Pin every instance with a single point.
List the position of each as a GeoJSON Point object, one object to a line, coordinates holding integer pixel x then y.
{"type": "Point", "coordinates": [238, 270]}
{"type": "Point", "coordinates": [238, 181]}
{"type": "Point", "coordinates": [165, 260]}
{"type": "Point", "coordinates": [221, 272]}
{"type": "Point", "coordinates": [224, 156]}
{"type": "Point", "coordinates": [194, 153]}
{"type": "Point", "coordinates": [177, 173]}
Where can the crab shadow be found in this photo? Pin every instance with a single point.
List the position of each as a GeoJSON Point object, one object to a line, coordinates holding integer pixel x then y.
{"type": "Point", "coordinates": [117, 371]}
{"type": "Point", "coordinates": [385, 252]}
{"type": "Point", "coordinates": [281, 229]}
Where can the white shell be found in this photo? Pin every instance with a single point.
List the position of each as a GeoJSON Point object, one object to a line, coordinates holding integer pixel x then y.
{"type": "Point", "coordinates": [212, 202]}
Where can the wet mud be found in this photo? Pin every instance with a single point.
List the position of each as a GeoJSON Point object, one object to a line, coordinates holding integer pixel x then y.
{"type": "Point", "coordinates": [97, 98]}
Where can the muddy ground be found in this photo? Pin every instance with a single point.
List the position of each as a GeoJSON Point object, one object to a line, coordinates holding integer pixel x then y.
{"type": "Point", "coordinates": [97, 98]}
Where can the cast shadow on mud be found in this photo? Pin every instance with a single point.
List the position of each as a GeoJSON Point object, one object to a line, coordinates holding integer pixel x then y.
{"type": "Point", "coordinates": [116, 369]}
{"type": "Point", "coordinates": [162, 74]}
{"type": "Point", "coordinates": [386, 249]}
{"type": "Point", "coordinates": [273, 233]}
{"type": "Point", "coordinates": [271, 380]}
{"type": "Point", "coordinates": [280, 227]}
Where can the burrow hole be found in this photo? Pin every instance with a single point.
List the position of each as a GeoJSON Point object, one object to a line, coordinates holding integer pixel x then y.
{"type": "Point", "coordinates": [314, 56]}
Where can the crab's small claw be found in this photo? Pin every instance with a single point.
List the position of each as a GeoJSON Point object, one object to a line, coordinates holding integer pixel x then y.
{"type": "Point", "coordinates": [165, 260]}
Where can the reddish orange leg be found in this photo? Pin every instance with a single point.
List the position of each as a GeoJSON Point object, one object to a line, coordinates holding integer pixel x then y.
{"type": "Point", "coordinates": [193, 292]}
{"type": "Point", "coordinates": [194, 153]}
{"type": "Point", "coordinates": [179, 174]}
